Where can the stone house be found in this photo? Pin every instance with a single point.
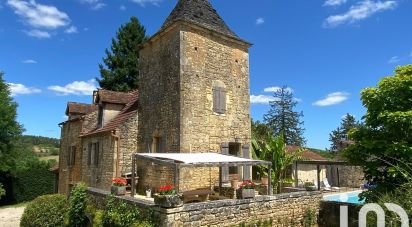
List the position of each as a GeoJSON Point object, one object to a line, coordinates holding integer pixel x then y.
{"type": "Point", "coordinates": [97, 142]}
{"type": "Point", "coordinates": [194, 96]}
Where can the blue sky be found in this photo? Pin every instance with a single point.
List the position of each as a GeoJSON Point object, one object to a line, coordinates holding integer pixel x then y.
{"type": "Point", "coordinates": [326, 51]}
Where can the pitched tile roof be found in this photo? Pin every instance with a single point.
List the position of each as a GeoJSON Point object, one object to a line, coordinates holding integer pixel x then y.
{"type": "Point", "coordinates": [199, 12]}
{"type": "Point", "coordinates": [113, 97]}
{"type": "Point", "coordinates": [128, 111]}
{"type": "Point", "coordinates": [79, 108]}
{"type": "Point", "coordinates": [307, 154]}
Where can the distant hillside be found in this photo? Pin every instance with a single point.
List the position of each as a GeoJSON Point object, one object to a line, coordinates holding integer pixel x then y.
{"type": "Point", "coordinates": [43, 146]}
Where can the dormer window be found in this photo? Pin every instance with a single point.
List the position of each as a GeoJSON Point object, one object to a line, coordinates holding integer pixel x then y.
{"type": "Point", "coordinates": [219, 98]}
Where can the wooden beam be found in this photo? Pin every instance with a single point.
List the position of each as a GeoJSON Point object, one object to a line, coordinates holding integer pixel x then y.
{"type": "Point", "coordinates": [270, 190]}
{"type": "Point", "coordinates": [296, 174]}
{"type": "Point", "coordinates": [318, 174]}
{"type": "Point", "coordinates": [133, 175]}
{"type": "Point", "coordinates": [177, 173]}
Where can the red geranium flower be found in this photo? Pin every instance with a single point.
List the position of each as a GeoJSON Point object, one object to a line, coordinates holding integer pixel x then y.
{"type": "Point", "coordinates": [167, 190]}
{"type": "Point", "coordinates": [119, 182]}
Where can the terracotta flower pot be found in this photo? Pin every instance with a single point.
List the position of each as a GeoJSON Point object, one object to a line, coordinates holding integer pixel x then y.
{"type": "Point", "coordinates": [118, 190]}
{"type": "Point", "coordinates": [265, 180]}
{"type": "Point", "coordinates": [168, 201]}
{"type": "Point", "coordinates": [234, 183]}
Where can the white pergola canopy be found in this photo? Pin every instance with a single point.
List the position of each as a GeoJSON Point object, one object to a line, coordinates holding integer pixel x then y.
{"type": "Point", "coordinates": [196, 159]}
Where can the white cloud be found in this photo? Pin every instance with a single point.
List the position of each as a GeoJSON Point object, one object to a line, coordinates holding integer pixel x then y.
{"type": "Point", "coordinates": [332, 99]}
{"type": "Point", "coordinates": [94, 4]}
{"type": "Point", "coordinates": [20, 89]}
{"type": "Point", "coordinates": [394, 59]}
{"type": "Point", "coordinates": [29, 61]}
{"type": "Point", "coordinates": [261, 99]}
{"type": "Point", "coordinates": [276, 89]}
{"type": "Point", "coordinates": [260, 21]}
{"type": "Point", "coordinates": [38, 34]}
{"type": "Point", "coordinates": [71, 30]}
{"type": "Point", "coordinates": [75, 88]}
{"type": "Point", "coordinates": [39, 16]}
{"type": "Point", "coordinates": [359, 11]}
{"type": "Point", "coordinates": [144, 2]}
{"type": "Point", "coordinates": [334, 2]}
{"type": "Point", "coordinates": [123, 8]}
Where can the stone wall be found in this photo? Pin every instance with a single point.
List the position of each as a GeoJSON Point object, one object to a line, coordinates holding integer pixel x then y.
{"type": "Point", "coordinates": [90, 121]}
{"type": "Point", "coordinates": [159, 93]}
{"type": "Point", "coordinates": [153, 176]}
{"type": "Point", "coordinates": [283, 210]}
{"type": "Point", "coordinates": [127, 133]}
{"type": "Point", "coordinates": [68, 176]}
{"type": "Point", "coordinates": [99, 176]}
{"type": "Point", "coordinates": [208, 59]}
{"type": "Point", "coordinates": [351, 176]}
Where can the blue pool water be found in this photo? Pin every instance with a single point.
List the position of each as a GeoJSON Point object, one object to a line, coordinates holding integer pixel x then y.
{"type": "Point", "coordinates": [348, 197]}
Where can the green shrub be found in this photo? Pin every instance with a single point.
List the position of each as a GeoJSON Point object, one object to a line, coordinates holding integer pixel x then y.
{"type": "Point", "coordinates": [98, 218]}
{"type": "Point", "coordinates": [120, 214]}
{"type": "Point", "coordinates": [2, 191]}
{"type": "Point", "coordinates": [309, 218]}
{"type": "Point", "coordinates": [77, 201]}
{"type": "Point", "coordinates": [45, 211]}
{"type": "Point", "coordinates": [33, 181]}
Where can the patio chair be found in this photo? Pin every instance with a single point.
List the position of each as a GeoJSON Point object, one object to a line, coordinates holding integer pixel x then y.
{"type": "Point", "coordinates": [326, 186]}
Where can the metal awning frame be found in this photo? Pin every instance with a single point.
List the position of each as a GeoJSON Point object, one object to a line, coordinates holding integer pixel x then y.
{"type": "Point", "coordinates": [176, 165]}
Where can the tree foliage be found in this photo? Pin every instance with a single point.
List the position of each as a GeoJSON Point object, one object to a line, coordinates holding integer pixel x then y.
{"type": "Point", "coordinates": [77, 201]}
{"type": "Point", "coordinates": [282, 119]}
{"type": "Point", "coordinates": [274, 149]}
{"type": "Point", "coordinates": [10, 129]}
{"type": "Point", "coordinates": [383, 145]}
{"type": "Point", "coordinates": [120, 70]}
{"type": "Point", "coordinates": [338, 136]}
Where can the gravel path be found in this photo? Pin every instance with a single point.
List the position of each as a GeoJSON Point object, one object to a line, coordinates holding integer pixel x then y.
{"type": "Point", "coordinates": [10, 217]}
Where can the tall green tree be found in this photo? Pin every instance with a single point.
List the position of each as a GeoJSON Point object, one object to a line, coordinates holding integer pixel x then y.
{"type": "Point", "coordinates": [120, 70]}
{"type": "Point", "coordinates": [259, 131]}
{"type": "Point", "coordinates": [10, 129]}
{"type": "Point", "coordinates": [383, 145]}
{"type": "Point", "coordinates": [283, 120]}
{"type": "Point", "coordinates": [339, 136]}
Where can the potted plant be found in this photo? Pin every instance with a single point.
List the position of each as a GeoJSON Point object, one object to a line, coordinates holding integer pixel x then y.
{"type": "Point", "coordinates": [118, 186]}
{"type": "Point", "coordinates": [287, 182]}
{"type": "Point", "coordinates": [246, 190]}
{"type": "Point", "coordinates": [310, 186]}
{"type": "Point", "coordinates": [264, 179]}
{"type": "Point", "coordinates": [168, 197]}
{"type": "Point", "coordinates": [234, 182]}
{"type": "Point", "coordinates": [148, 192]}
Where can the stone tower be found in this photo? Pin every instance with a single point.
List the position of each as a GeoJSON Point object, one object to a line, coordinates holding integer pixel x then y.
{"type": "Point", "coordinates": [194, 85]}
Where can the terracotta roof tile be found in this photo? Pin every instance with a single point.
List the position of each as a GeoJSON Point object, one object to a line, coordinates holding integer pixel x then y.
{"type": "Point", "coordinates": [79, 108]}
{"type": "Point", "coordinates": [307, 154]}
{"type": "Point", "coordinates": [114, 96]}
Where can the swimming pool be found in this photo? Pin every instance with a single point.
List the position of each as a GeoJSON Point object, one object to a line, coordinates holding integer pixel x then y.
{"type": "Point", "coordinates": [347, 197]}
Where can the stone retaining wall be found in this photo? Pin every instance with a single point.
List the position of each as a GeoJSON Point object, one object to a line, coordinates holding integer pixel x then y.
{"type": "Point", "coordinates": [284, 210]}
